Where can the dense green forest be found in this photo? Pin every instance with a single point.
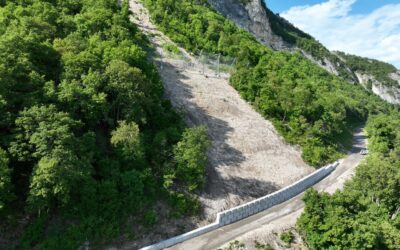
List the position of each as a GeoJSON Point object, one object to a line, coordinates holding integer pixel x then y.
{"type": "Point", "coordinates": [86, 138]}
{"type": "Point", "coordinates": [309, 106]}
{"type": "Point", "coordinates": [366, 214]}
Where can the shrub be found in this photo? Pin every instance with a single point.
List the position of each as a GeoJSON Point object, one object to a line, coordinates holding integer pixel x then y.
{"type": "Point", "coordinates": [260, 246]}
{"type": "Point", "coordinates": [191, 157]}
{"type": "Point", "coordinates": [183, 204]}
{"type": "Point", "coordinates": [287, 237]}
{"type": "Point", "coordinates": [150, 217]}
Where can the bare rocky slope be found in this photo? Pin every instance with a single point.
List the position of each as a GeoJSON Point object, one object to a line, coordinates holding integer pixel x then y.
{"type": "Point", "coordinates": [277, 33]}
{"type": "Point", "coordinates": [390, 94]}
{"type": "Point", "coordinates": [248, 158]}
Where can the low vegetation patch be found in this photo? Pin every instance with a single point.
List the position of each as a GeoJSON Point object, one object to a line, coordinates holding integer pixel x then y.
{"type": "Point", "coordinates": [261, 246]}
{"type": "Point", "coordinates": [287, 238]}
{"type": "Point", "coordinates": [235, 245]}
{"type": "Point", "coordinates": [172, 49]}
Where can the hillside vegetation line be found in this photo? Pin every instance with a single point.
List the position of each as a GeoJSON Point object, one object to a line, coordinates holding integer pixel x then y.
{"type": "Point", "coordinates": [309, 106]}
{"type": "Point", "coordinates": [315, 110]}
{"type": "Point", "coordinates": [242, 141]}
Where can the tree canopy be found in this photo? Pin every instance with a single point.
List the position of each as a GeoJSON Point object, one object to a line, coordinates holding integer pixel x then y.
{"type": "Point", "coordinates": [365, 215]}
{"type": "Point", "coordinates": [88, 138]}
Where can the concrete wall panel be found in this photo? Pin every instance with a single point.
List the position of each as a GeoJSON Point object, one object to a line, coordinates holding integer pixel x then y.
{"type": "Point", "coordinates": [243, 211]}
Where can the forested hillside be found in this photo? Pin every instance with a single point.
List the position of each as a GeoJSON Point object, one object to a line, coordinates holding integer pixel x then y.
{"type": "Point", "coordinates": [86, 138]}
{"type": "Point", "coordinates": [366, 214]}
{"type": "Point", "coordinates": [314, 109]}
{"type": "Point", "coordinates": [88, 145]}
{"type": "Point", "coordinates": [309, 106]}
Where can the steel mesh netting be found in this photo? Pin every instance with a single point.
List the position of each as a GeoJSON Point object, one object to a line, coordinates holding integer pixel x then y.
{"type": "Point", "coordinates": [209, 64]}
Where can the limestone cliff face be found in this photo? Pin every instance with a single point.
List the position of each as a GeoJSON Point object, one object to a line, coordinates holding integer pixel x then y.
{"type": "Point", "coordinates": [251, 17]}
{"type": "Point", "coordinates": [390, 94]}
{"type": "Point", "coordinates": [395, 76]}
{"type": "Point", "coordinates": [325, 63]}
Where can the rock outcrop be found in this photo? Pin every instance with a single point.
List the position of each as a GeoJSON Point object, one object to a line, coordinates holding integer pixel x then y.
{"type": "Point", "coordinates": [391, 94]}
{"type": "Point", "coordinates": [252, 17]}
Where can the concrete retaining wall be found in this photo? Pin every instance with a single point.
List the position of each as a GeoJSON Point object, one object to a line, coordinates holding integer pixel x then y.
{"type": "Point", "coordinates": [240, 212]}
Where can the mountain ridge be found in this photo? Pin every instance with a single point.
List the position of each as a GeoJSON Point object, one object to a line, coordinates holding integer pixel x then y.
{"type": "Point", "coordinates": [279, 34]}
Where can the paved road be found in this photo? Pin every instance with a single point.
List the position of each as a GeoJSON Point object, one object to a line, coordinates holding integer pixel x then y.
{"type": "Point", "coordinates": [335, 180]}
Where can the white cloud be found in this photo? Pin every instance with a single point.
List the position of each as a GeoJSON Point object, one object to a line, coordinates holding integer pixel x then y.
{"type": "Point", "coordinates": [375, 35]}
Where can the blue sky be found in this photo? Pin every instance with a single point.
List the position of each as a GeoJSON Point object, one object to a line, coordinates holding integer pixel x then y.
{"type": "Point", "coordinates": [369, 28]}
{"type": "Point", "coordinates": [360, 7]}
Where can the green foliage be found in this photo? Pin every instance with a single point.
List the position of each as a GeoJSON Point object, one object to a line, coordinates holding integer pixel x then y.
{"type": "Point", "coordinates": [260, 246]}
{"type": "Point", "coordinates": [77, 92]}
{"type": "Point", "coordinates": [82, 115]}
{"type": "Point", "coordinates": [383, 132]}
{"type": "Point", "coordinates": [150, 218]}
{"type": "Point", "coordinates": [191, 157]}
{"type": "Point", "coordinates": [40, 130]}
{"type": "Point", "coordinates": [235, 245]}
{"type": "Point", "coordinates": [307, 43]}
{"type": "Point", "coordinates": [287, 237]}
{"type": "Point", "coordinates": [195, 26]}
{"type": "Point", "coordinates": [5, 180]}
{"type": "Point", "coordinates": [33, 233]}
{"type": "Point", "coordinates": [133, 186]}
{"type": "Point", "coordinates": [126, 136]}
{"type": "Point", "coordinates": [55, 178]}
{"type": "Point", "coordinates": [172, 48]}
{"type": "Point", "coordinates": [313, 109]}
{"type": "Point", "coordinates": [308, 106]}
{"type": "Point", "coordinates": [365, 214]}
{"type": "Point", "coordinates": [183, 204]}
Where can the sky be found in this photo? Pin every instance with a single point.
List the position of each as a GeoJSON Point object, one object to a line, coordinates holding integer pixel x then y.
{"type": "Point", "coordinates": [369, 28]}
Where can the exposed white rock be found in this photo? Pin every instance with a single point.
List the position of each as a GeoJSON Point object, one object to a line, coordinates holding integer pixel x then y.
{"type": "Point", "coordinates": [389, 94]}
{"type": "Point", "coordinates": [395, 76]}
{"type": "Point", "coordinates": [363, 79]}
{"type": "Point", "coordinates": [325, 64]}
{"type": "Point", "coordinates": [251, 17]}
